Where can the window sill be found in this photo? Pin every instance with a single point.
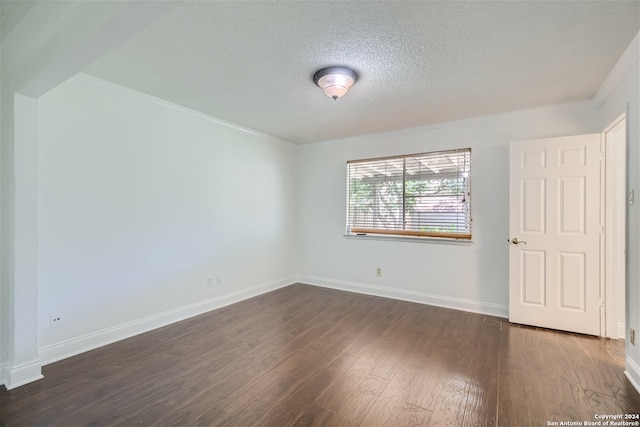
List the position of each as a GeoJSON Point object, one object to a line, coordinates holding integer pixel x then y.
{"type": "Point", "coordinates": [413, 239]}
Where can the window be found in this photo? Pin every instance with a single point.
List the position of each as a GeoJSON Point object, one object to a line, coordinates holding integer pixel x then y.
{"type": "Point", "coordinates": [425, 195]}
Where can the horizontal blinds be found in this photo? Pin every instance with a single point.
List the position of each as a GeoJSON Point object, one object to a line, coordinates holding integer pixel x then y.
{"type": "Point", "coordinates": [423, 194]}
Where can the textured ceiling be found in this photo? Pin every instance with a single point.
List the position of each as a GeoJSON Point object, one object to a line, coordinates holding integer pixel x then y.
{"type": "Point", "coordinates": [419, 63]}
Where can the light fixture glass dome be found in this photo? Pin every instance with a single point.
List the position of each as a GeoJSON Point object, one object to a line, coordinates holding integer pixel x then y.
{"type": "Point", "coordinates": [335, 81]}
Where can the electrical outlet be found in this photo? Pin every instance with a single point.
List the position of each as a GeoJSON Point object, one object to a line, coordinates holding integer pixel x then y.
{"type": "Point", "coordinates": [219, 280]}
{"type": "Point", "coordinates": [55, 320]}
{"type": "Point", "coordinates": [378, 271]}
{"type": "Point", "coordinates": [210, 282]}
{"type": "Point", "coordinates": [632, 336]}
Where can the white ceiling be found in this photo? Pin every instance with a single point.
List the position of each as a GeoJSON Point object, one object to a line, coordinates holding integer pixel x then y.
{"type": "Point", "coordinates": [418, 62]}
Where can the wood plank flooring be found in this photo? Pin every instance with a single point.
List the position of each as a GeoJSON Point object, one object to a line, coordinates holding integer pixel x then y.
{"type": "Point", "coordinates": [308, 356]}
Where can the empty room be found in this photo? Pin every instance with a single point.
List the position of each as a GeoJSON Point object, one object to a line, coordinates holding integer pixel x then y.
{"type": "Point", "coordinates": [320, 213]}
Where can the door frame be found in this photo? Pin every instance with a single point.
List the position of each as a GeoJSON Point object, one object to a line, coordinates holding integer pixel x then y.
{"type": "Point", "coordinates": [615, 229]}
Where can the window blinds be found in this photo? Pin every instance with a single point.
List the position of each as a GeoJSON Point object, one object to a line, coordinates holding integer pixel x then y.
{"type": "Point", "coordinates": [425, 194]}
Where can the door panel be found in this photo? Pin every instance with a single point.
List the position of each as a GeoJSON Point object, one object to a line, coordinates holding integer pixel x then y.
{"type": "Point", "coordinates": [554, 264]}
{"type": "Point", "coordinates": [572, 205]}
{"type": "Point", "coordinates": [533, 277]}
{"type": "Point", "coordinates": [572, 281]}
{"type": "Point", "coordinates": [533, 220]}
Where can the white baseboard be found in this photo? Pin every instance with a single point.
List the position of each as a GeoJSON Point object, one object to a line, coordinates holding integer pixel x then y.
{"type": "Point", "coordinates": [480, 307]}
{"type": "Point", "coordinates": [632, 372]}
{"type": "Point", "coordinates": [25, 373]}
{"type": "Point", "coordinates": [4, 374]}
{"type": "Point", "coordinates": [62, 350]}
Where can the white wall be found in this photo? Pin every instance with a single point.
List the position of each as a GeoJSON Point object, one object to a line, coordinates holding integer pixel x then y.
{"type": "Point", "coordinates": [625, 98]}
{"type": "Point", "coordinates": [140, 202]}
{"type": "Point", "coordinates": [468, 276]}
{"type": "Point", "coordinates": [78, 34]}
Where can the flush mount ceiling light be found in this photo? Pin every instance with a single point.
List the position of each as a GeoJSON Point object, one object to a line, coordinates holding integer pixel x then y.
{"type": "Point", "coordinates": [335, 81]}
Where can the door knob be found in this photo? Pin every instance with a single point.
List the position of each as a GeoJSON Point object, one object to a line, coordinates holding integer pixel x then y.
{"type": "Point", "coordinates": [517, 241]}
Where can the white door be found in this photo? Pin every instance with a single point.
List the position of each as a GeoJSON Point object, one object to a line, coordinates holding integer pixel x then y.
{"type": "Point", "coordinates": [555, 226]}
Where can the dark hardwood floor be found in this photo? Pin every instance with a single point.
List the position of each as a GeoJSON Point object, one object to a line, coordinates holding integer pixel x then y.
{"type": "Point", "coordinates": [308, 356]}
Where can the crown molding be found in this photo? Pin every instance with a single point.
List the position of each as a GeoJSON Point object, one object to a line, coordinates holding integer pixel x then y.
{"type": "Point", "coordinates": [619, 71]}
{"type": "Point", "coordinates": [96, 81]}
{"type": "Point", "coordinates": [497, 117]}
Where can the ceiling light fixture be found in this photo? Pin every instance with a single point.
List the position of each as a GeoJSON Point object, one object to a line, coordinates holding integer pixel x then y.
{"type": "Point", "coordinates": [335, 81]}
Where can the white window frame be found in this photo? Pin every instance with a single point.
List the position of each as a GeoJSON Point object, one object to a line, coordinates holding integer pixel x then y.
{"type": "Point", "coordinates": [428, 214]}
